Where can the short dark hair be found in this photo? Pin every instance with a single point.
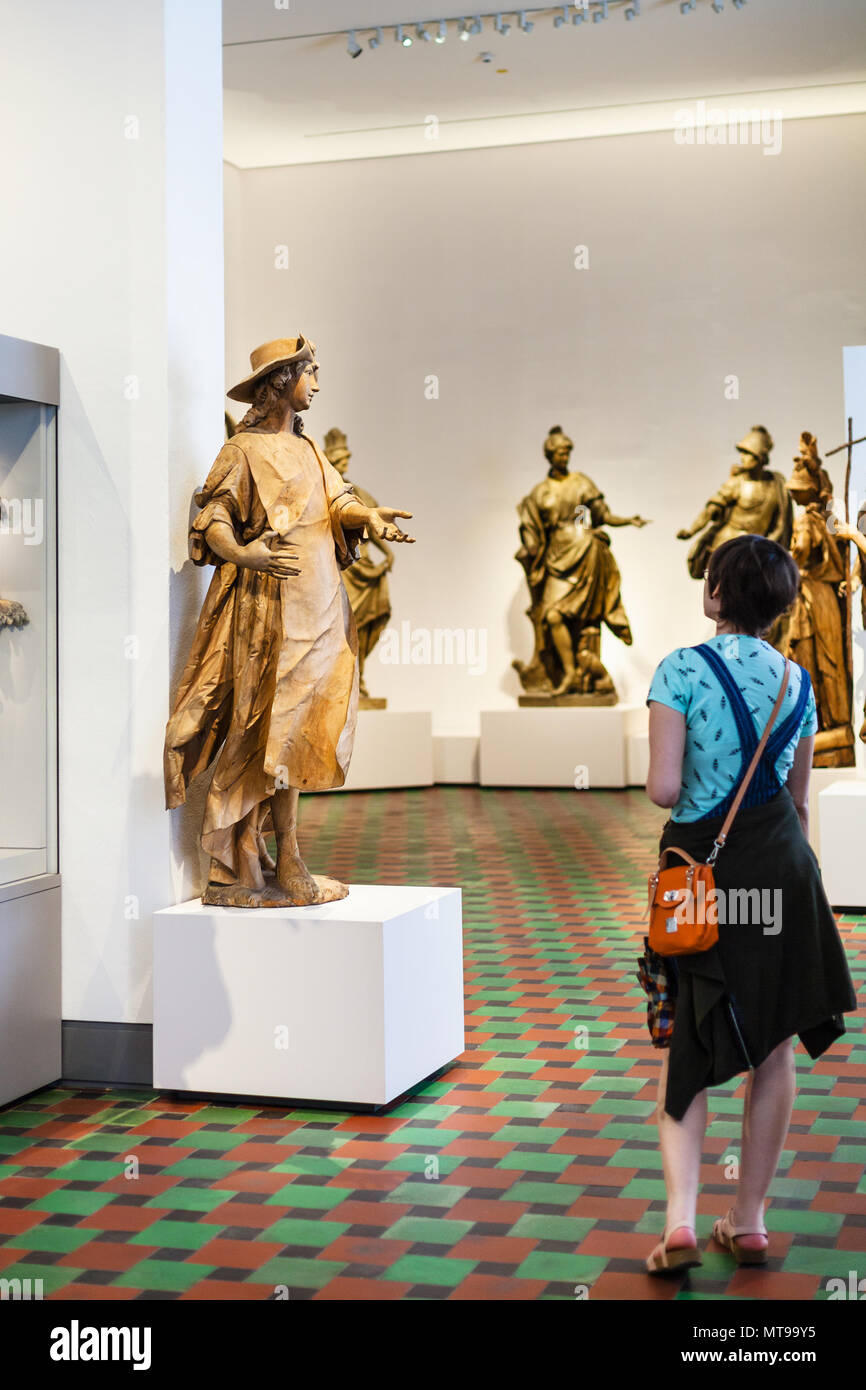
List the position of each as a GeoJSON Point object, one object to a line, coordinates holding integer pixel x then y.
{"type": "Point", "coordinates": [757, 580]}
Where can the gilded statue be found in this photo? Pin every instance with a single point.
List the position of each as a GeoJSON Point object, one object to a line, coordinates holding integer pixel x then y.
{"type": "Point", "coordinates": [815, 635]}
{"type": "Point", "coordinates": [574, 583]}
{"type": "Point", "coordinates": [845, 531]}
{"type": "Point", "coordinates": [753, 500]}
{"type": "Point", "coordinates": [269, 694]}
{"type": "Point", "coordinates": [366, 580]}
{"type": "Point", "coordinates": [12, 613]}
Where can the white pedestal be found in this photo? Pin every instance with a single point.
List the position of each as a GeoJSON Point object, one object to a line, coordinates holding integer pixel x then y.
{"type": "Point", "coordinates": [455, 758]}
{"type": "Point", "coordinates": [527, 747]}
{"type": "Point", "coordinates": [353, 1002]}
{"type": "Point", "coordinates": [819, 780]}
{"type": "Point", "coordinates": [393, 748]}
{"type": "Point", "coordinates": [842, 816]}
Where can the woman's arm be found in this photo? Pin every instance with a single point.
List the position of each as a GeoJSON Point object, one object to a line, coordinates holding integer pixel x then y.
{"type": "Point", "coordinates": [798, 778]}
{"type": "Point", "coordinates": [667, 743]}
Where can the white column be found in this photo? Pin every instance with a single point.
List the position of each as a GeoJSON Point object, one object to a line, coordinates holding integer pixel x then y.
{"type": "Point", "coordinates": [112, 164]}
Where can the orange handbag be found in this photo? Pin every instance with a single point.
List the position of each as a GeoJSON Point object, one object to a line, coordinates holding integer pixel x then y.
{"type": "Point", "coordinates": [683, 918]}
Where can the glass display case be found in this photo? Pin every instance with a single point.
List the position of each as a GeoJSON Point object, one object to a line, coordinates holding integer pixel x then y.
{"type": "Point", "coordinates": [30, 1029]}
{"type": "Point", "coordinates": [28, 640]}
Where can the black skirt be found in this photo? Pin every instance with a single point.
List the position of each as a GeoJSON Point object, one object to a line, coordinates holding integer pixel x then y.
{"type": "Point", "coordinates": [779, 967]}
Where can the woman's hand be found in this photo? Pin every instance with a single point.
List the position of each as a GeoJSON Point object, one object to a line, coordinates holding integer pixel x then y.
{"type": "Point", "coordinates": [277, 560]}
{"type": "Point", "coordinates": [381, 524]}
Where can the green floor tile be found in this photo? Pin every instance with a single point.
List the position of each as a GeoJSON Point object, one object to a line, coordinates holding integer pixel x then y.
{"type": "Point", "coordinates": [558, 1267]}
{"type": "Point", "coordinates": [175, 1235]}
{"type": "Point", "coordinates": [429, 1269]}
{"type": "Point", "coordinates": [170, 1276]}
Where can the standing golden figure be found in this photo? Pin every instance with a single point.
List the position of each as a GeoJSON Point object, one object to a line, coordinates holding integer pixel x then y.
{"type": "Point", "coordinates": [816, 625]}
{"type": "Point", "coordinates": [753, 500]}
{"type": "Point", "coordinates": [574, 584]}
{"type": "Point", "coordinates": [270, 690]}
{"type": "Point", "coordinates": [366, 580]}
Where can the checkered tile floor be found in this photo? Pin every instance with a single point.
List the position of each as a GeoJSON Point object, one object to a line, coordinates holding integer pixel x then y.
{"type": "Point", "coordinates": [528, 1169]}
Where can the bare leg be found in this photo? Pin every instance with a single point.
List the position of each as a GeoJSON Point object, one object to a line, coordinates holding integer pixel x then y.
{"type": "Point", "coordinates": [293, 876]}
{"type": "Point", "coordinates": [770, 1093]}
{"type": "Point", "coordinates": [681, 1145]}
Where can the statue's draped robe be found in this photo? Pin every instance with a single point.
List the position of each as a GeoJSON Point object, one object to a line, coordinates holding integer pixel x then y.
{"type": "Point", "coordinates": [569, 565]}
{"type": "Point", "coordinates": [367, 589]}
{"type": "Point", "coordinates": [816, 634]}
{"type": "Point", "coordinates": [271, 684]}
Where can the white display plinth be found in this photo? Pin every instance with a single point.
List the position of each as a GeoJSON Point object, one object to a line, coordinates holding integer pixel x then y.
{"type": "Point", "coordinates": [393, 748]}
{"type": "Point", "coordinates": [353, 1002]}
{"type": "Point", "coordinates": [567, 746]}
{"type": "Point", "coordinates": [842, 816]}
{"type": "Point", "coordinates": [819, 780]}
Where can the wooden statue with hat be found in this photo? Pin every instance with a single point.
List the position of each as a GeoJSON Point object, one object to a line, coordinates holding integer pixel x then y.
{"type": "Point", "coordinates": [269, 694]}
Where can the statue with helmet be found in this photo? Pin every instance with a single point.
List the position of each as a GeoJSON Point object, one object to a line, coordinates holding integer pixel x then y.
{"type": "Point", "coordinates": [753, 499]}
{"type": "Point", "coordinates": [574, 584]}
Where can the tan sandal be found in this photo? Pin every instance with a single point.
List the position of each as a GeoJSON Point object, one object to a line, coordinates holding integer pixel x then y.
{"type": "Point", "coordinates": [727, 1235]}
{"type": "Point", "coordinates": [665, 1261]}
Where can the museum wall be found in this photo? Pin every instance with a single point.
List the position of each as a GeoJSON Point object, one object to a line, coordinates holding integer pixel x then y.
{"type": "Point", "coordinates": [704, 263]}
{"type": "Point", "coordinates": [111, 243]}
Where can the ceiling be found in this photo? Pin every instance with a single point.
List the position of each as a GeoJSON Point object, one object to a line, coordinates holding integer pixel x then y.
{"type": "Point", "coordinates": [293, 95]}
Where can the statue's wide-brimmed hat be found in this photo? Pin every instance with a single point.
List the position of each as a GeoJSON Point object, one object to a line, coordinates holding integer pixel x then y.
{"type": "Point", "coordinates": [279, 353]}
{"type": "Point", "coordinates": [757, 442]}
{"type": "Point", "coordinates": [336, 446]}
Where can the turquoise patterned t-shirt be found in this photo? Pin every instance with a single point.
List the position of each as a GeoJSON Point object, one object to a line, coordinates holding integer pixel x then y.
{"type": "Point", "coordinates": [713, 755]}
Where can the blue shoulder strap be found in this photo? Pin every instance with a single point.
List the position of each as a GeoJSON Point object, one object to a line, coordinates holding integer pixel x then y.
{"type": "Point", "coordinates": [741, 712]}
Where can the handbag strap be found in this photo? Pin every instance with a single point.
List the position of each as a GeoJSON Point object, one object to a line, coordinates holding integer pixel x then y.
{"type": "Point", "coordinates": [722, 836]}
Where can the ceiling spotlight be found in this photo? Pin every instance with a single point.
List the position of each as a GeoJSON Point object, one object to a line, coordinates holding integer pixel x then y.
{"type": "Point", "coordinates": [579, 15]}
{"type": "Point", "coordinates": [353, 48]}
{"type": "Point", "coordinates": [476, 25]}
{"type": "Point", "coordinates": [376, 39]}
{"type": "Point", "coordinates": [600, 14]}
{"type": "Point", "coordinates": [738, 4]}
{"type": "Point", "coordinates": [633, 10]}
{"type": "Point", "coordinates": [405, 39]}
{"type": "Point", "coordinates": [501, 27]}
{"type": "Point", "coordinates": [443, 32]}
{"type": "Point", "coordinates": [717, 6]}
{"type": "Point", "coordinates": [526, 25]}
{"type": "Point", "coordinates": [686, 5]}
{"type": "Point", "coordinates": [561, 18]}
{"type": "Point", "coordinates": [422, 32]}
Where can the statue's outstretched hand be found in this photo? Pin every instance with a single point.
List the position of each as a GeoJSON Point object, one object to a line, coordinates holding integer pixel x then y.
{"type": "Point", "coordinates": [381, 523]}
{"type": "Point", "coordinates": [277, 560]}
{"type": "Point", "coordinates": [639, 521]}
{"type": "Point", "coordinates": [684, 534]}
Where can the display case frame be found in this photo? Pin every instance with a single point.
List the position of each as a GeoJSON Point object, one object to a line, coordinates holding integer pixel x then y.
{"type": "Point", "coordinates": [30, 891]}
